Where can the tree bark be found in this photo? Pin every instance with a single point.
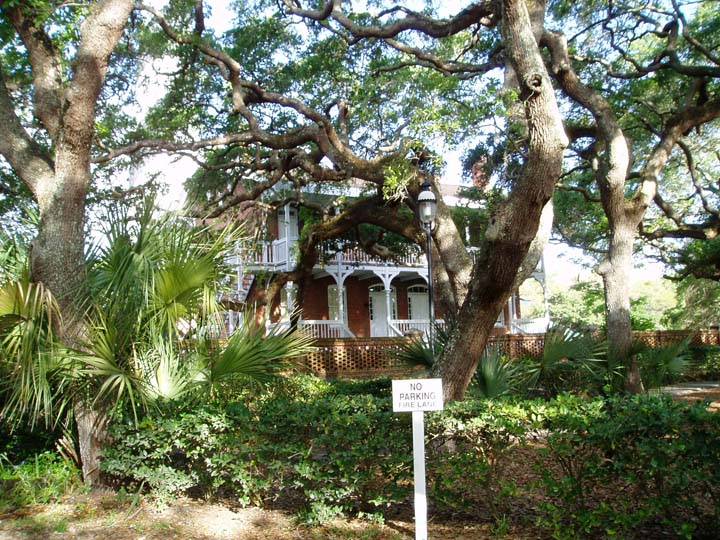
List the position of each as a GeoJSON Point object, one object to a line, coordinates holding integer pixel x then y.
{"type": "Point", "coordinates": [59, 181]}
{"type": "Point", "coordinates": [514, 226]}
{"type": "Point", "coordinates": [452, 274]}
{"type": "Point", "coordinates": [615, 273]}
{"type": "Point", "coordinates": [92, 433]}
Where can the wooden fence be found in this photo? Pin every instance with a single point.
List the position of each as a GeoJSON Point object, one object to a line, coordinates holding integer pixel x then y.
{"type": "Point", "coordinates": [373, 356]}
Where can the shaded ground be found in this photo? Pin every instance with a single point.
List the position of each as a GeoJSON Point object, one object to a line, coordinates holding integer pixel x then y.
{"type": "Point", "coordinates": [105, 516]}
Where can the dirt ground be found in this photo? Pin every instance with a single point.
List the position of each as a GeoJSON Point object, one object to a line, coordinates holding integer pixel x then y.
{"type": "Point", "coordinates": [99, 516]}
{"type": "Point", "coordinates": [696, 391]}
{"type": "Point", "coordinates": [105, 516]}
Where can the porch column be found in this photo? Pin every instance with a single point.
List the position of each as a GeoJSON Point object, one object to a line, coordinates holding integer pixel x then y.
{"type": "Point", "coordinates": [341, 304]}
{"type": "Point", "coordinates": [388, 307]}
{"type": "Point", "coordinates": [290, 296]}
{"type": "Point", "coordinates": [511, 313]}
{"type": "Point", "coordinates": [287, 238]}
{"type": "Point", "coordinates": [230, 321]}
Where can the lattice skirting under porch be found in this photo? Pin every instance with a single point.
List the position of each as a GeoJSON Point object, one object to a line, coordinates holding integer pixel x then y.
{"type": "Point", "coordinates": [373, 356]}
{"type": "Point", "coordinates": [346, 355]}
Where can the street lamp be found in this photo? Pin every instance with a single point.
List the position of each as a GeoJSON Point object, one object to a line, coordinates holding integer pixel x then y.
{"type": "Point", "coordinates": [427, 208]}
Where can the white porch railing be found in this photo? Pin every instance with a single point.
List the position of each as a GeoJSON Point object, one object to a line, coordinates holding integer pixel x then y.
{"type": "Point", "coordinates": [530, 326]}
{"type": "Point", "coordinates": [326, 329]}
{"type": "Point", "coordinates": [404, 327]}
{"type": "Point", "coordinates": [317, 329]}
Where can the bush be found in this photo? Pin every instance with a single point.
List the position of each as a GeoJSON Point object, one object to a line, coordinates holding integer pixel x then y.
{"type": "Point", "coordinates": [38, 479]}
{"type": "Point", "coordinates": [617, 467]}
{"type": "Point", "coordinates": [341, 449]}
{"type": "Point", "coordinates": [333, 453]}
{"type": "Point", "coordinates": [632, 464]}
{"type": "Point", "coordinates": [705, 364]}
{"type": "Point", "coordinates": [469, 455]}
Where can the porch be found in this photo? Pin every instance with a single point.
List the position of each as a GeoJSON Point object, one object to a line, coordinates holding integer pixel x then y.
{"type": "Point", "coordinates": [324, 329]}
{"type": "Point", "coordinates": [355, 294]}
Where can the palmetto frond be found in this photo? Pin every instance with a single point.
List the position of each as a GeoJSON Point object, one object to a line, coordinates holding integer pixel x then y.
{"type": "Point", "coordinates": [496, 375]}
{"type": "Point", "coordinates": [110, 361]}
{"type": "Point", "coordinates": [37, 370]}
{"type": "Point", "coordinates": [251, 354]}
{"type": "Point", "coordinates": [154, 288]}
{"type": "Point", "coordinates": [183, 291]}
{"type": "Point", "coordinates": [170, 374]}
{"type": "Point", "coordinates": [566, 350]}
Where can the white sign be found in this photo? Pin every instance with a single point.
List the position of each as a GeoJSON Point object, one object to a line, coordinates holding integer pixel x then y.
{"type": "Point", "coordinates": [417, 395]}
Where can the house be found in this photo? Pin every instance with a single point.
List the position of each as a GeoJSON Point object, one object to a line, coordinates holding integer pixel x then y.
{"type": "Point", "coordinates": [353, 294]}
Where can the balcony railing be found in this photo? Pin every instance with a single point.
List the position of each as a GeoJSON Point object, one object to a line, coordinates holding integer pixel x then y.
{"type": "Point", "coordinates": [275, 254]}
{"type": "Point", "coordinates": [265, 254]}
{"type": "Point", "coordinates": [359, 257]}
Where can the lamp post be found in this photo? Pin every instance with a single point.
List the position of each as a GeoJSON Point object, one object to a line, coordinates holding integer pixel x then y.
{"type": "Point", "coordinates": [427, 209]}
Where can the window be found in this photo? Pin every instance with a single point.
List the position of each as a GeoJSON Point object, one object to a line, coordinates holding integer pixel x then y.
{"type": "Point", "coordinates": [284, 226]}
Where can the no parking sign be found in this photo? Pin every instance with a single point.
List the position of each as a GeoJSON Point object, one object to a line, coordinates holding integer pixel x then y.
{"type": "Point", "coordinates": [417, 396]}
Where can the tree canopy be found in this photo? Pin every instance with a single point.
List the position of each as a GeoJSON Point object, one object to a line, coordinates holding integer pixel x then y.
{"type": "Point", "coordinates": [295, 95]}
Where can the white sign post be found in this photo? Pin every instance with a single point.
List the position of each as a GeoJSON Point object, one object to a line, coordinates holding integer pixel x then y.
{"type": "Point", "coordinates": [417, 396]}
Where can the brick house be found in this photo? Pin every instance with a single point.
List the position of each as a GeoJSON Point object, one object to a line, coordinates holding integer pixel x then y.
{"type": "Point", "coordinates": [353, 294]}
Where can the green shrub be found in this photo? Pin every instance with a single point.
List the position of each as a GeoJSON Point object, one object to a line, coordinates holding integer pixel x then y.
{"type": "Point", "coordinates": [38, 479]}
{"type": "Point", "coordinates": [329, 448]}
{"type": "Point", "coordinates": [335, 453]}
{"type": "Point", "coordinates": [469, 455]}
{"type": "Point", "coordinates": [337, 449]}
{"type": "Point", "coordinates": [632, 464]}
{"type": "Point", "coordinates": [172, 455]}
{"type": "Point", "coordinates": [704, 365]}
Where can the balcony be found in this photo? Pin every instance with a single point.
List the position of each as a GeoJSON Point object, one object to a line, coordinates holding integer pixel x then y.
{"type": "Point", "coordinates": [264, 255]}
{"type": "Point", "coordinates": [277, 255]}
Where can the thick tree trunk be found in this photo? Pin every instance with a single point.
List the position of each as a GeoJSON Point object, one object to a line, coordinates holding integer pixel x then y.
{"type": "Point", "coordinates": [514, 226]}
{"type": "Point", "coordinates": [452, 274]}
{"type": "Point", "coordinates": [615, 272]}
{"type": "Point", "coordinates": [611, 167]}
{"type": "Point", "coordinates": [57, 256]}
